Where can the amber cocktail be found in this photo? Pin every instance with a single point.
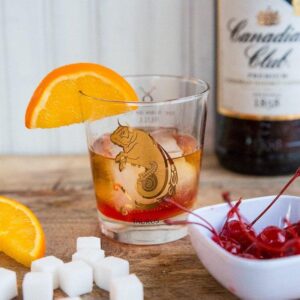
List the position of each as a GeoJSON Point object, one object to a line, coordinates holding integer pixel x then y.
{"type": "Point", "coordinates": [148, 158]}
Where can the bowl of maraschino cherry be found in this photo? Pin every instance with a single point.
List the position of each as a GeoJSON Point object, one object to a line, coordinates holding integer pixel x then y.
{"type": "Point", "coordinates": [251, 247]}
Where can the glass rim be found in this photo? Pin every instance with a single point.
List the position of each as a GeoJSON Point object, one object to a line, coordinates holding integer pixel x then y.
{"type": "Point", "coordinates": [195, 96]}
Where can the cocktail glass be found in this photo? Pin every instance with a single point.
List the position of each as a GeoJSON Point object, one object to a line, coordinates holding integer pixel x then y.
{"type": "Point", "coordinates": [146, 159]}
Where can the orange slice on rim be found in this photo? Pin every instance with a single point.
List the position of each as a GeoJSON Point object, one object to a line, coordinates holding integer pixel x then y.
{"type": "Point", "coordinates": [21, 234]}
{"type": "Point", "coordinates": [60, 99]}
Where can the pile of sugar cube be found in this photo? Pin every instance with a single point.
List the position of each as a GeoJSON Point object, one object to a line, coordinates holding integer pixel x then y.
{"type": "Point", "coordinates": [75, 278]}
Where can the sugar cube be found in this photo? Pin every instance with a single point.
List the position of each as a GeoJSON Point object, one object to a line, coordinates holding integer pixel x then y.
{"type": "Point", "coordinates": [37, 286]}
{"type": "Point", "coordinates": [8, 284]}
{"type": "Point", "coordinates": [48, 264]}
{"type": "Point", "coordinates": [75, 278]}
{"type": "Point", "coordinates": [107, 269]}
{"type": "Point", "coordinates": [89, 256]}
{"type": "Point", "coordinates": [90, 242]}
{"type": "Point", "coordinates": [126, 288]}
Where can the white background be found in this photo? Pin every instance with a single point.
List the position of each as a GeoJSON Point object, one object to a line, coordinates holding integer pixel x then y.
{"type": "Point", "coordinates": [130, 36]}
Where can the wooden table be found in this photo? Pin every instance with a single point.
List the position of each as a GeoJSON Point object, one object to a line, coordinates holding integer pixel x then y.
{"type": "Point", "coordinates": [59, 190]}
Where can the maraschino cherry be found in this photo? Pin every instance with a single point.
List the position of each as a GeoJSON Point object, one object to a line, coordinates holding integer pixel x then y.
{"type": "Point", "coordinates": [238, 237]}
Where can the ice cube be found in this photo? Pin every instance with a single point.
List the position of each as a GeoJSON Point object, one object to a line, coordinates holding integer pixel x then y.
{"type": "Point", "coordinates": [126, 288]}
{"type": "Point", "coordinates": [125, 202]}
{"type": "Point", "coordinates": [106, 147]}
{"type": "Point", "coordinates": [48, 264]}
{"type": "Point", "coordinates": [187, 175]}
{"type": "Point", "coordinates": [187, 143]}
{"type": "Point", "coordinates": [90, 242]}
{"type": "Point", "coordinates": [109, 268]}
{"type": "Point", "coordinates": [8, 284]}
{"type": "Point", "coordinates": [89, 256]}
{"type": "Point", "coordinates": [166, 138]}
{"type": "Point", "coordinates": [75, 278]}
{"type": "Point", "coordinates": [37, 286]}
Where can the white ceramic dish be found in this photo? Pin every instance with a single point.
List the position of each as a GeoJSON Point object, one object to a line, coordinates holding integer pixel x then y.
{"type": "Point", "coordinates": [246, 278]}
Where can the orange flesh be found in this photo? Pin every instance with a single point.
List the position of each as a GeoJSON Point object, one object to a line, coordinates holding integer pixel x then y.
{"type": "Point", "coordinates": [57, 101]}
{"type": "Point", "coordinates": [21, 234]}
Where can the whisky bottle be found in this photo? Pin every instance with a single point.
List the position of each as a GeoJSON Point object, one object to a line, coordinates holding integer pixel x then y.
{"type": "Point", "coordinates": [258, 86]}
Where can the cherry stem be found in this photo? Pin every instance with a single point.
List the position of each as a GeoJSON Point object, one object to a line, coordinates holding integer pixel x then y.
{"type": "Point", "coordinates": [232, 211]}
{"type": "Point", "coordinates": [254, 239]}
{"type": "Point", "coordinates": [295, 176]}
{"type": "Point", "coordinates": [227, 199]}
{"type": "Point", "coordinates": [183, 222]}
{"type": "Point", "coordinates": [212, 229]}
{"type": "Point", "coordinates": [290, 227]}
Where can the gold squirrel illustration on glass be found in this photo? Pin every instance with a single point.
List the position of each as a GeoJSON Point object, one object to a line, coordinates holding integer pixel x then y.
{"type": "Point", "coordinates": [139, 149]}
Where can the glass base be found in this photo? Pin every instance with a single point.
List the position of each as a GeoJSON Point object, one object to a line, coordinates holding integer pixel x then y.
{"type": "Point", "coordinates": [137, 234]}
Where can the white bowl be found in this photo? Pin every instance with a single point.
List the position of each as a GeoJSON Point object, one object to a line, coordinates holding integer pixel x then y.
{"type": "Point", "coordinates": [246, 278]}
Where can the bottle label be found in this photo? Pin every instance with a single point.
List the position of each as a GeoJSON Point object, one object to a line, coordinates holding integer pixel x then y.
{"type": "Point", "coordinates": [259, 59]}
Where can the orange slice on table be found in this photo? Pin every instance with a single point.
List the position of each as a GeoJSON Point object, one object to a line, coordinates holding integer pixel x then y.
{"type": "Point", "coordinates": [21, 234]}
{"type": "Point", "coordinates": [62, 98]}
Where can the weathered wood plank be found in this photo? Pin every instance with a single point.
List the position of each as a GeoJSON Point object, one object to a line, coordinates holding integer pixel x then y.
{"type": "Point", "coordinates": [59, 190]}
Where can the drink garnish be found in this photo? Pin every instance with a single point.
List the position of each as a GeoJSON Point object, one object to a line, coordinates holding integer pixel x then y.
{"type": "Point", "coordinates": [61, 97]}
{"type": "Point", "coordinates": [238, 236]}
